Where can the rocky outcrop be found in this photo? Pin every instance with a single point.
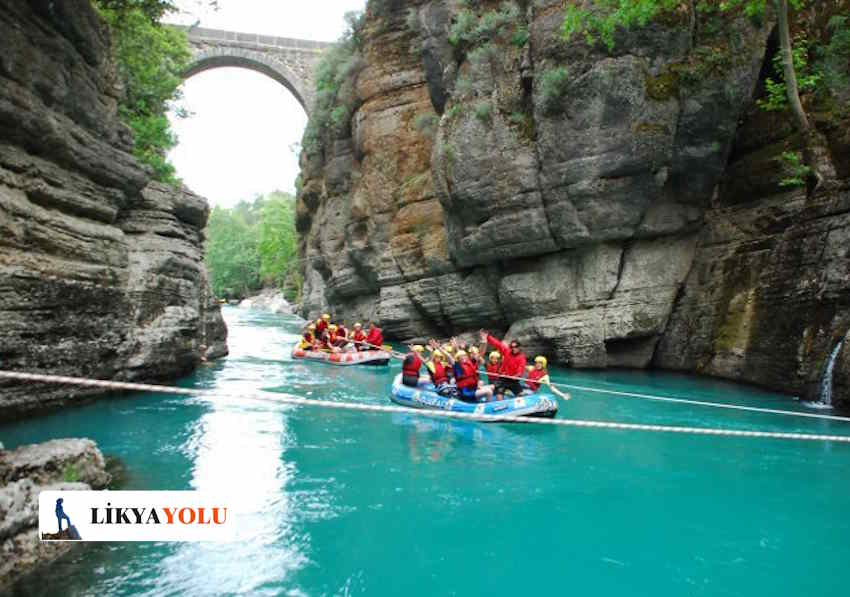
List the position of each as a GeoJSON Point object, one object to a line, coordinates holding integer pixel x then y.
{"type": "Point", "coordinates": [101, 270]}
{"type": "Point", "coordinates": [268, 299]}
{"type": "Point", "coordinates": [609, 208]}
{"type": "Point", "coordinates": [68, 464]}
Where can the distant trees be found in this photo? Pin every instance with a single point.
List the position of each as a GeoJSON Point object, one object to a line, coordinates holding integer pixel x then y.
{"type": "Point", "coordinates": [253, 245]}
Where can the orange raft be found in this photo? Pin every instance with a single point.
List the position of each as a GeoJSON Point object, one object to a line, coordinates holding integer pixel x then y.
{"type": "Point", "coordinates": [374, 358]}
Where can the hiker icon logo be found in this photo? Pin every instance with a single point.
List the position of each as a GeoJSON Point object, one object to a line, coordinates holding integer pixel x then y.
{"type": "Point", "coordinates": [70, 533]}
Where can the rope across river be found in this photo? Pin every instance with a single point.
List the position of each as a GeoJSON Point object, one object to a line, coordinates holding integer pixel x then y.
{"type": "Point", "coordinates": [378, 408]}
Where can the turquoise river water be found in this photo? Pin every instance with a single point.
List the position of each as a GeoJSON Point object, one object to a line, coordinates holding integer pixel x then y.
{"type": "Point", "coordinates": [348, 503]}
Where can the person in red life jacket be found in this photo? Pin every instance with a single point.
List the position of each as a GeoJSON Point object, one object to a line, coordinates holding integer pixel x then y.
{"type": "Point", "coordinates": [537, 375]}
{"type": "Point", "coordinates": [374, 337]}
{"type": "Point", "coordinates": [494, 366]}
{"type": "Point", "coordinates": [358, 337]}
{"type": "Point", "coordinates": [322, 324]}
{"type": "Point", "coordinates": [439, 372]}
{"type": "Point", "coordinates": [513, 365]}
{"type": "Point", "coordinates": [309, 338]}
{"type": "Point", "coordinates": [341, 330]}
{"type": "Point", "coordinates": [466, 379]}
{"type": "Point", "coordinates": [335, 342]}
{"type": "Point", "coordinates": [411, 365]}
{"type": "Point", "coordinates": [324, 342]}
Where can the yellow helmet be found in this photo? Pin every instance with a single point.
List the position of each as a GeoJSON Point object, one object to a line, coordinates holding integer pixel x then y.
{"type": "Point", "coordinates": [358, 325]}
{"type": "Point", "coordinates": [461, 354]}
{"type": "Point", "coordinates": [332, 327]}
{"type": "Point", "coordinates": [474, 351]}
{"type": "Point", "coordinates": [495, 356]}
{"type": "Point", "coordinates": [541, 361]}
{"type": "Point", "coordinates": [438, 355]}
{"type": "Point", "coordinates": [326, 317]}
{"type": "Point", "coordinates": [312, 327]}
{"type": "Point", "coordinates": [448, 348]}
{"type": "Point", "coordinates": [418, 348]}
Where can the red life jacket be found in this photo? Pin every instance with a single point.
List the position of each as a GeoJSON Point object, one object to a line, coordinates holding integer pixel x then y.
{"type": "Point", "coordinates": [411, 365]}
{"type": "Point", "coordinates": [438, 374]}
{"type": "Point", "coordinates": [308, 337]}
{"type": "Point", "coordinates": [512, 364]}
{"type": "Point", "coordinates": [375, 338]}
{"type": "Point", "coordinates": [534, 375]}
{"type": "Point", "coordinates": [358, 336]}
{"type": "Point", "coordinates": [321, 326]}
{"type": "Point", "coordinates": [466, 375]}
{"type": "Point", "coordinates": [341, 332]}
{"type": "Point", "coordinates": [492, 370]}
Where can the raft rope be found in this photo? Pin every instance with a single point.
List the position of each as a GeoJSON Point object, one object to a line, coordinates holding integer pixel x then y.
{"type": "Point", "coordinates": [299, 401]}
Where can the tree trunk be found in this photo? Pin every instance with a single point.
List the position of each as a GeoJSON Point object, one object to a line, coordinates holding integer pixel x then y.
{"type": "Point", "coordinates": [788, 64]}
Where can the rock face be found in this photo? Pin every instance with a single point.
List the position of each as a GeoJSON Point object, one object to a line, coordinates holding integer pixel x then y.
{"type": "Point", "coordinates": [576, 198]}
{"type": "Point", "coordinates": [101, 270]}
{"type": "Point", "coordinates": [24, 473]}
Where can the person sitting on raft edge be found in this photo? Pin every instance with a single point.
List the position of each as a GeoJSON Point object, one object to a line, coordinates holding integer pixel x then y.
{"type": "Point", "coordinates": [309, 338]}
{"type": "Point", "coordinates": [513, 365]}
{"type": "Point", "coordinates": [537, 375]}
{"type": "Point", "coordinates": [411, 366]}
{"type": "Point", "coordinates": [374, 337]}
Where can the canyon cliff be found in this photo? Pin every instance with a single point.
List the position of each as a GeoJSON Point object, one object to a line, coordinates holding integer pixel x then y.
{"type": "Point", "coordinates": [101, 269]}
{"type": "Point", "coordinates": [614, 208]}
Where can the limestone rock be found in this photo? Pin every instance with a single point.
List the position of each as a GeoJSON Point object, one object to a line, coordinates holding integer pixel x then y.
{"type": "Point", "coordinates": [101, 270]}
{"type": "Point", "coordinates": [24, 473]}
{"type": "Point", "coordinates": [54, 461]}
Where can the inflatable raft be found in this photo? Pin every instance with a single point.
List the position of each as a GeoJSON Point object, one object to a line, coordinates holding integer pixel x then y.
{"type": "Point", "coordinates": [424, 396]}
{"type": "Point", "coordinates": [366, 357]}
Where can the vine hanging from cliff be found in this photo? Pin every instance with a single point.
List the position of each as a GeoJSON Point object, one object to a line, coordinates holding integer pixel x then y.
{"type": "Point", "coordinates": [151, 59]}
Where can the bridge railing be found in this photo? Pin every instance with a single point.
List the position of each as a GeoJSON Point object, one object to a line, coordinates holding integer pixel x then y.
{"type": "Point", "coordinates": [217, 35]}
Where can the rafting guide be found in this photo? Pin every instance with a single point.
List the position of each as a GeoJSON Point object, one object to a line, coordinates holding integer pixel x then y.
{"type": "Point", "coordinates": [137, 516]}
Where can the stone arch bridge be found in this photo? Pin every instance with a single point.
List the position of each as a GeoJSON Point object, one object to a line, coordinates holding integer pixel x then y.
{"type": "Point", "coordinates": [290, 62]}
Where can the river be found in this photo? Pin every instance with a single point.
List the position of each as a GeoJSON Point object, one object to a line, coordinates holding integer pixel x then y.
{"type": "Point", "coordinates": [347, 503]}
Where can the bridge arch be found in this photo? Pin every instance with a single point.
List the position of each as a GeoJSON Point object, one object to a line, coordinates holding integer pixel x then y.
{"type": "Point", "coordinates": [290, 62]}
{"type": "Point", "coordinates": [256, 61]}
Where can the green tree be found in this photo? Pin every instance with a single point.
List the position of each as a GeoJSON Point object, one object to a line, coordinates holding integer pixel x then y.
{"type": "Point", "coordinates": [278, 241]}
{"type": "Point", "coordinates": [151, 59]}
{"type": "Point", "coordinates": [252, 245]}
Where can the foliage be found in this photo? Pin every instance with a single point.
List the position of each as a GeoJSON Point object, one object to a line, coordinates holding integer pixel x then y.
{"type": "Point", "coordinates": [601, 23]}
{"type": "Point", "coordinates": [807, 80]}
{"type": "Point", "coordinates": [520, 37]}
{"type": "Point", "coordinates": [151, 60]}
{"type": "Point", "coordinates": [427, 124]}
{"type": "Point", "coordinates": [796, 169]}
{"type": "Point", "coordinates": [70, 473]}
{"type": "Point", "coordinates": [336, 100]}
{"type": "Point", "coordinates": [278, 241]}
{"type": "Point", "coordinates": [251, 245]}
{"type": "Point", "coordinates": [554, 85]}
{"type": "Point", "coordinates": [470, 29]}
{"type": "Point", "coordinates": [834, 64]}
{"type": "Point", "coordinates": [484, 111]}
